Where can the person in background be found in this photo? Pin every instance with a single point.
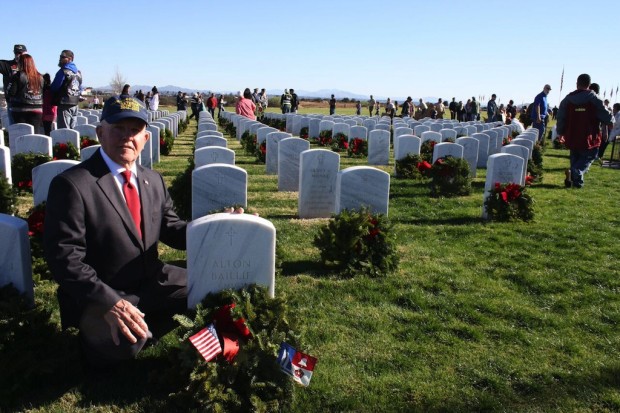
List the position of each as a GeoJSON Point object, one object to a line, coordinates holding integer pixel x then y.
{"type": "Point", "coordinates": [49, 109]}
{"type": "Point", "coordinates": [580, 116]}
{"type": "Point", "coordinates": [211, 105]}
{"type": "Point", "coordinates": [263, 99]}
{"type": "Point", "coordinates": [377, 108]}
{"type": "Point", "coordinates": [511, 109]}
{"type": "Point", "coordinates": [8, 68]}
{"type": "Point", "coordinates": [389, 108]}
{"type": "Point", "coordinates": [332, 105]}
{"type": "Point", "coordinates": [358, 108]}
{"type": "Point", "coordinates": [25, 93]}
{"type": "Point", "coordinates": [255, 97]}
{"type": "Point", "coordinates": [440, 108]}
{"type": "Point", "coordinates": [612, 130]}
{"type": "Point", "coordinates": [245, 106]}
{"type": "Point", "coordinates": [294, 101]}
{"type": "Point", "coordinates": [67, 88]}
{"type": "Point", "coordinates": [474, 109]}
{"type": "Point", "coordinates": [154, 101]}
{"type": "Point", "coordinates": [126, 91]}
{"type": "Point", "coordinates": [220, 105]}
{"type": "Point", "coordinates": [407, 107]}
{"type": "Point", "coordinates": [492, 112]}
{"type": "Point", "coordinates": [539, 113]}
{"type": "Point", "coordinates": [285, 102]}
{"type": "Point", "coordinates": [371, 105]}
{"type": "Point", "coordinates": [452, 109]}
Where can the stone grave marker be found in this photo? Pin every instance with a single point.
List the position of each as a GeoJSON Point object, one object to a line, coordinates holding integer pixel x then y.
{"type": "Point", "coordinates": [289, 152]}
{"type": "Point", "coordinates": [87, 130]}
{"type": "Point", "coordinates": [33, 143]}
{"type": "Point", "coordinates": [15, 258]}
{"type": "Point", "coordinates": [314, 128]}
{"type": "Point", "coordinates": [42, 176]}
{"type": "Point", "coordinates": [261, 134]}
{"type": "Point", "coordinates": [483, 149]}
{"type": "Point", "coordinates": [317, 183]}
{"type": "Point", "coordinates": [448, 134]}
{"type": "Point", "coordinates": [227, 251]}
{"type": "Point", "coordinates": [470, 153]}
{"type": "Point", "coordinates": [520, 151]}
{"type": "Point", "coordinates": [5, 163]}
{"type": "Point", "coordinates": [379, 147]}
{"type": "Point", "coordinates": [430, 136]}
{"type": "Point", "coordinates": [88, 152]}
{"type": "Point", "coordinates": [360, 186]}
{"type": "Point", "coordinates": [16, 130]}
{"type": "Point", "coordinates": [447, 149]}
{"type": "Point", "coordinates": [211, 141]}
{"type": "Point", "coordinates": [213, 154]}
{"type": "Point", "coordinates": [66, 136]}
{"type": "Point", "coordinates": [359, 132]}
{"type": "Point", "coordinates": [524, 142]}
{"type": "Point", "coordinates": [503, 168]}
{"type": "Point", "coordinates": [218, 186]}
{"type": "Point", "coordinates": [155, 144]}
{"type": "Point", "coordinates": [271, 157]}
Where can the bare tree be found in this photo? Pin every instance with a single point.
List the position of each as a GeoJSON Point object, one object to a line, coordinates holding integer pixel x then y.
{"type": "Point", "coordinates": [117, 82]}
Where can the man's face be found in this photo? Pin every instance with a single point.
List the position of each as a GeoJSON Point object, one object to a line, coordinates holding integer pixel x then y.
{"type": "Point", "coordinates": [123, 141]}
{"type": "Point", "coordinates": [63, 60]}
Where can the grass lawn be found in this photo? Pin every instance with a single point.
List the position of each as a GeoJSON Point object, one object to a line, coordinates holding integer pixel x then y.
{"type": "Point", "coordinates": [479, 317]}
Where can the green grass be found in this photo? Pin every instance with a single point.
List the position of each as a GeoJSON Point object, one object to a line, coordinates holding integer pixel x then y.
{"type": "Point", "coordinates": [479, 316]}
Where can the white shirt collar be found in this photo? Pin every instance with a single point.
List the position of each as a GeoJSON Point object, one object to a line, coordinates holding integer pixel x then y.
{"type": "Point", "coordinates": [115, 168]}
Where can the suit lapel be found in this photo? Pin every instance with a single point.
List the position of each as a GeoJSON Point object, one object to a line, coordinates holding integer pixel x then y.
{"type": "Point", "coordinates": [108, 186]}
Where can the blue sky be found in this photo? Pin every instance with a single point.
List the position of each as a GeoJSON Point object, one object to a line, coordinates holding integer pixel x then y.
{"type": "Point", "coordinates": [397, 48]}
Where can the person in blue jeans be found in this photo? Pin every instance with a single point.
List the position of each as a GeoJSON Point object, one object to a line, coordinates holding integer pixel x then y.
{"type": "Point", "coordinates": [539, 112]}
{"type": "Point", "coordinates": [580, 116]}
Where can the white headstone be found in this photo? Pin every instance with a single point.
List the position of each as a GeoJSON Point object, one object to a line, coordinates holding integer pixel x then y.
{"type": "Point", "coordinates": [42, 176]}
{"type": "Point", "coordinates": [261, 134]}
{"type": "Point", "coordinates": [87, 131]}
{"type": "Point", "coordinates": [229, 251]}
{"type": "Point", "coordinates": [448, 134]}
{"type": "Point", "coordinates": [379, 147]}
{"type": "Point", "coordinates": [211, 141]}
{"type": "Point", "coordinates": [418, 130]}
{"type": "Point", "coordinates": [502, 168]}
{"type": "Point", "coordinates": [407, 144]}
{"type": "Point", "coordinates": [5, 163]}
{"type": "Point", "coordinates": [470, 153]}
{"type": "Point", "coordinates": [65, 135]}
{"type": "Point", "coordinates": [271, 157]}
{"type": "Point", "coordinates": [213, 154]}
{"type": "Point", "coordinates": [15, 258]}
{"type": "Point", "coordinates": [483, 149]}
{"type": "Point", "coordinates": [360, 186]}
{"type": "Point", "coordinates": [521, 151]}
{"type": "Point", "coordinates": [16, 130]}
{"type": "Point", "coordinates": [289, 152]}
{"type": "Point", "coordinates": [430, 136]}
{"type": "Point", "coordinates": [359, 132]}
{"type": "Point", "coordinates": [88, 152]}
{"type": "Point", "coordinates": [33, 143]}
{"type": "Point", "coordinates": [447, 149]}
{"type": "Point", "coordinates": [317, 183]}
{"type": "Point", "coordinates": [217, 186]}
{"type": "Point", "coordinates": [524, 142]}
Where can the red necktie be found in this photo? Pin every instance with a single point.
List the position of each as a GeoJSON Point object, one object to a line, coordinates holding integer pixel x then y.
{"type": "Point", "coordinates": [133, 199]}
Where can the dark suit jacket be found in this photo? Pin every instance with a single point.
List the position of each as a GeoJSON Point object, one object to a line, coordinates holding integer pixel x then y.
{"type": "Point", "coordinates": [91, 243]}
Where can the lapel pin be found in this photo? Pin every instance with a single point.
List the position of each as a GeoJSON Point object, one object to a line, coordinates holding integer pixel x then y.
{"type": "Point", "coordinates": [146, 182]}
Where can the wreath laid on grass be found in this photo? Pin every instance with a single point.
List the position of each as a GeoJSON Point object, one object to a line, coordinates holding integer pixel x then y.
{"type": "Point", "coordinates": [251, 380]}
{"type": "Point", "coordinates": [304, 132]}
{"type": "Point", "coordinates": [412, 166]}
{"type": "Point", "coordinates": [166, 142]}
{"type": "Point", "coordinates": [65, 151]}
{"type": "Point", "coordinates": [36, 220]}
{"type": "Point", "coordinates": [535, 165]}
{"type": "Point", "coordinates": [22, 165]}
{"type": "Point", "coordinates": [261, 152]}
{"type": "Point", "coordinates": [181, 191]}
{"type": "Point", "coordinates": [509, 202]}
{"type": "Point", "coordinates": [340, 142]}
{"type": "Point", "coordinates": [8, 198]}
{"type": "Point", "coordinates": [426, 150]}
{"type": "Point", "coordinates": [248, 142]}
{"type": "Point", "coordinates": [325, 138]}
{"type": "Point", "coordinates": [358, 242]}
{"type": "Point", "coordinates": [86, 141]}
{"type": "Point", "coordinates": [358, 148]}
{"type": "Point", "coordinates": [450, 177]}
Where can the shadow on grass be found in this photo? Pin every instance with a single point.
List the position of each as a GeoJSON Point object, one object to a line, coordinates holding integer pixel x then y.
{"type": "Point", "coordinates": [315, 268]}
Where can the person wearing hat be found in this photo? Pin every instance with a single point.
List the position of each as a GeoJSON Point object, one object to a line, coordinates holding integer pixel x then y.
{"type": "Point", "coordinates": [67, 88]}
{"type": "Point", "coordinates": [104, 220]}
{"type": "Point", "coordinates": [9, 68]}
{"type": "Point", "coordinates": [539, 112]}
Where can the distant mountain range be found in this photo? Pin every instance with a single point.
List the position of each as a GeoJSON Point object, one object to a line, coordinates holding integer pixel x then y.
{"type": "Point", "coordinates": [323, 93]}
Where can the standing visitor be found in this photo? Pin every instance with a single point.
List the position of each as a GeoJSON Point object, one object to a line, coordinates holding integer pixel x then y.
{"type": "Point", "coordinates": [220, 105]}
{"type": "Point", "coordinates": [440, 108]}
{"type": "Point", "coordinates": [332, 105]}
{"type": "Point", "coordinates": [211, 105]}
{"type": "Point", "coordinates": [285, 102]}
{"type": "Point", "coordinates": [492, 109]}
{"type": "Point", "coordinates": [245, 106]}
{"type": "Point", "coordinates": [67, 87]}
{"type": "Point", "coordinates": [539, 112]}
{"type": "Point", "coordinates": [474, 109]}
{"type": "Point", "coordinates": [358, 108]}
{"type": "Point", "coordinates": [452, 109]}
{"type": "Point", "coordinates": [26, 94]}
{"type": "Point", "coordinates": [389, 108]}
{"type": "Point", "coordinates": [580, 115]}
{"type": "Point", "coordinates": [126, 91]}
{"type": "Point", "coordinates": [371, 105]}
{"type": "Point", "coordinates": [8, 68]}
{"type": "Point", "coordinates": [294, 101]}
{"type": "Point", "coordinates": [263, 99]}
{"type": "Point", "coordinates": [154, 103]}
{"type": "Point", "coordinates": [49, 109]}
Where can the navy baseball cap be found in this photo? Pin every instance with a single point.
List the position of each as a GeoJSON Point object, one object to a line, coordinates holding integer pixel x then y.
{"type": "Point", "coordinates": [118, 108]}
{"type": "Point", "coordinates": [19, 48]}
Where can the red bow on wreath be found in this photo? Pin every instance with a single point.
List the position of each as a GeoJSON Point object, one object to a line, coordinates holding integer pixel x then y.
{"type": "Point", "coordinates": [230, 330]}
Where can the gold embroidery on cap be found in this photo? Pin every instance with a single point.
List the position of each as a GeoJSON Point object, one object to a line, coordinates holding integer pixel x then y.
{"type": "Point", "coordinates": [129, 104]}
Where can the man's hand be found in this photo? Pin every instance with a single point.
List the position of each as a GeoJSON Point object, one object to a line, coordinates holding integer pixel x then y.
{"type": "Point", "coordinates": [128, 319]}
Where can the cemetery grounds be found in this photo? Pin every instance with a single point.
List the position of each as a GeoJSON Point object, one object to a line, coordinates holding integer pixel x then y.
{"type": "Point", "coordinates": [479, 316]}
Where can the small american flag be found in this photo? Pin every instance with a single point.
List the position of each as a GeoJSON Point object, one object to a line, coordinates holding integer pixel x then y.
{"type": "Point", "coordinates": [206, 342]}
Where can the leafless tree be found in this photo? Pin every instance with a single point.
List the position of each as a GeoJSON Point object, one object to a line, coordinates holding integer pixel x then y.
{"type": "Point", "coordinates": [117, 82]}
